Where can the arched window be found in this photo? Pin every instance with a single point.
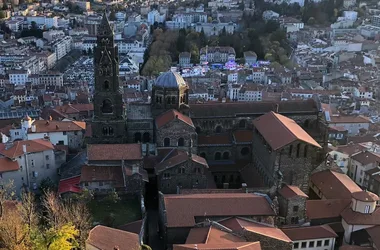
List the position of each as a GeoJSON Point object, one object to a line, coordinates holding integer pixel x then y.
{"type": "Point", "coordinates": [244, 151]}
{"type": "Point", "coordinates": [110, 130]}
{"type": "Point", "coordinates": [305, 150]}
{"type": "Point", "coordinates": [156, 99]}
{"type": "Point", "coordinates": [306, 123]}
{"type": "Point", "coordinates": [105, 131]}
{"type": "Point", "coordinates": [290, 150]}
{"type": "Point", "coordinates": [146, 137]}
{"type": "Point", "coordinates": [218, 156]}
{"type": "Point", "coordinates": [181, 99]}
{"type": "Point", "coordinates": [203, 155]}
{"type": "Point", "coordinates": [106, 85]}
{"type": "Point", "coordinates": [107, 107]}
{"type": "Point", "coordinates": [160, 99]}
{"type": "Point", "coordinates": [242, 124]}
{"type": "Point", "coordinates": [298, 149]}
{"type": "Point", "coordinates": [226, 155]}
{"type": "Point", "coordinates": [168, 100]}
{"type": "Point", "coordinates": [166, 142]}
{"type": "Point", "coordinates": [137, 137]}
{"type": "Point", "coordinates": [218, 129]}
{"type": "Point", "coordinates": [198, 130]}
{"type": "Point", "coordinates": [181, 170]}
{"type": "Point", "coordinates": [173, 100]}
{"type": "Point", "coordinates": [181, 142]}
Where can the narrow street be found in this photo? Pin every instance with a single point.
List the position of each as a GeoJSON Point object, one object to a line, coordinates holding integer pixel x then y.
{"type": "Point", "coordinates": [154, 240]}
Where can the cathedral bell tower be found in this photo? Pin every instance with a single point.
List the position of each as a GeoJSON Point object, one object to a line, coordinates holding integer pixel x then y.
{"type": "Point", "coordinates": [108, 123]}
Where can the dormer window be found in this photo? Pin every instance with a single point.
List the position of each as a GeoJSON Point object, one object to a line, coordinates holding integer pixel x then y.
{"type": "Point", "coordinates": [367, 209]}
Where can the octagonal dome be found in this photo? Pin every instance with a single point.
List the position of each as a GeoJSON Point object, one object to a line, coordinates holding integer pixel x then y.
{"type": "Point", "coordinates": [170, 80]}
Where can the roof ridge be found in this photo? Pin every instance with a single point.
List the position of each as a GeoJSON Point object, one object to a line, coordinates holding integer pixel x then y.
{"type": "Point", "coordinates": [283, 125]}
{"type": "Point", "coordinates": [208, 234]}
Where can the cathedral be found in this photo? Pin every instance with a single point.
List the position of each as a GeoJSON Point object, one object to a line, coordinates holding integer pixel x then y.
{"type": "Point", "coordinates": [205, 145]}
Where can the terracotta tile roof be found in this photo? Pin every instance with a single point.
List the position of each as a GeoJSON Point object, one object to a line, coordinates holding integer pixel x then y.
{"type": "Point", "coordinates": [210, 235]}
{"type": "Point", "coordinates": [171, 115]}
{"type": "Point", "coordinates": [365, 196]}
{"type": "Point", "coordinates": [239, 224]}
{"type": "Point", "coordinates": [57, 126]}
{"type": "Point", "coordinates": [219, 139]}
{"type": "Point", "coordinates": [280, 131]}
{"type": "Point", "coordinates": [355, 218]}
{"type": "Point", "coordinates": [142, 172]}
{"type": "Point", "coordinates": [182, 209]}
{"type": "Point", "coordinates": [218, 246]}
{"type": "Point", "coordinates": [75, 108]}
{"type": "Point", "coordinates": [323, 209]}
{"type": "Point", "coordinates": [232, 109]}
{"type": "Point", "coordinates": [113, 152]}
{"type": "Point", "coordinates": [69, 185]}
{"type": "Point", "coordinates": [102, 173]}
{"type": "Point", "coordinates": [103, 237]}
{"type": "Point", "coordinates": [32, 146]}
{"type": "Point", "coordinates": [133, 227]}
{"type": "Point", "coordinates": [348, 247]}
{"type": "Point", "coordinates": [334, 185]}
{"type": "Point", "coordinates": [310, 233]}
{"type": "Point", "coordinates": [7, 165]}
{"type": "Point", "coordinates": [243, 136]}
{"type": "Point", "coordinates": [349, 119]}
{"type": "Point", "coordinates": [288, 191]}
{"type": "Point", "coordinates": [374, 233]}
{"type": "Point", "coordinates": [366, 157]}
{"type": "Point", "coordinates": [177, 158]}
{"type": "Point", "coordinates": [350, 149]}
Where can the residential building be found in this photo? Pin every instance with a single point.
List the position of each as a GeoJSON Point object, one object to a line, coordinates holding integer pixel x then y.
{"type": "Point", "coordinates": [250, 57]}
{"type": "Point", "coordinates": [353, 124]}
{"type": "Point", "coordinates": [68, 133]}
{"type": "Point", "coordinates": [372, 180]}
{"type": "Point", "coordinates": [361, 163]}
{"type": "Point", "coordinates": [215, 28]}
{"type": "Point", "coordinates": [29, 162]}
{"type": "Point", "coordinates": [62, 46]}
{"type": "Point", "coordinates": [53, 35]}
{"type": "Point", "coordinates": [314, 237]}
{"type": "Point", "coordinates": [155, 16]}
{"type": "Point", "coordinates": [45, 21]}
{"type": "Point", "coordinates": [290, 24]}
{"type": "Point", "coordinates": [51, 79]}
{"type": "Point", "coordinates": [18, 77]}
{"type": "Point", "coordinates": [292, 205]}
{"type": "Point", "coordinates": [217, 54]}
{"type": "Point", "coordinates": [15, 25]}
{"type": "Point", "coordinates": [375, 20]}
{"type": "Point", "coordinates": [114, 166]}
{"type": "Point", "coordinates": [184, 59]}
{"type": "Point", "coordinates": [270, 15]}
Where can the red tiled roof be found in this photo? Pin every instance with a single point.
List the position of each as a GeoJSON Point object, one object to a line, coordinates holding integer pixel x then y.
{"type": "Point", "coordinates": [102, 173]}
{"type": "Point", "coordinates": [310, 233]}
{"type": "Point", "coordinates": [75, 108]}
{"type": "Point", "coordinates": [182, 209]}
{"type": "Point", "coordinates": [217, 246]}
{"type": "Point", "coordinates": [280, 131]}
{"type": "Point", "coordinates": [243, 136]}
{"type": "Point", "coordinates": [177, 159]}
{"type": "Point", "coordinates": [220, 139]}
{"type": "Point", "coordinates": [366, 157]}
{"type": "Point", "coordinates": [113, 152]}
{"type": "Point", "coordinates": [322, 209]}
{"type": "Point", "coordinates": [32, 146]}
{"type": "Point", "coordinates": [349, 119]}
{"type": "Point", "coordinates": [356, 218]}
{"type": "Point", "coordinates": [288, 191]}
{"type": "Point", "coordinates": [7, 165]}
{"type": "Point", "coordinates": [210, 235]}
{"type": "Point", "coordinates": [365, 196]}
{"type": "Point", "coordinates": [102, 237]}
{"type": "Point", "coordinates": [350, 149]}
{"type": "Point", "coordinates": [238, 224]}
{"type": "Point", "coordinates": [69, 185]}
{"type": "Point", "coordinates": [171, 115]}
{"type": "Point", "coordinates": [374, 232]}
{"type": "Point", "coordinates": [334, 185]}
{"type": "Point", "coordinates": [57, 126]}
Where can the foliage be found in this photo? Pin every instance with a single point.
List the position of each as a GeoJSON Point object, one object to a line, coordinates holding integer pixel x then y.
{"type": "Point", "coordinates": [112, 197]}
{"type": "Point", "coordinates": [47, 185]}
{"type": "Point", "coordinates": [62, 238]}
{"type": "Point", "coordinates": [145, 247]}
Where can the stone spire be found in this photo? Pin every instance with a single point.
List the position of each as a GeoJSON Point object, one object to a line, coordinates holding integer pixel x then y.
{"type": "Point", "coordinates": [105, 28]}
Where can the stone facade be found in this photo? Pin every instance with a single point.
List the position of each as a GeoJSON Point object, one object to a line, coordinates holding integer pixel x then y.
{"type": "Point", "coordinates": [186, 175]}
{"type": "Point", "coordinates": [292, 210]}
{"type": "Point", "coordinates": [140, 123]}
{"type": "Point", "coordinates": [266, 242]}
{"type": "Point", "coordinates": [177, 134]}
{"type": "Point", "coordinates": [108, 124]}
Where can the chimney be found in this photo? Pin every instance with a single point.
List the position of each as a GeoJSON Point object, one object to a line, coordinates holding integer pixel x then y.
{"type": "Point", "coordinates": [244, 187]}
{"type": "Point", "coordinates": [47, 123]}
{"type": "Point", "coordinates": [56, 126]}
{"type": "Point", "coordinates": [277, 106]}
{"type": "Point", "coordinates": [24, 148]}
{"type": "Point", "coordinates": [8, 145]}
{"type": "Point", "coordinates": [34, 129]}
{"type": "Point", "coordinates": [116, 248]}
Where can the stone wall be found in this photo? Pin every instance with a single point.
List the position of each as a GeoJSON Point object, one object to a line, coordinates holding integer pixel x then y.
{"type": "Point", "coordinates": [187, 180]}
{"type": "Point", "coordinates": [267, 243]}
{"type": "Point", "coordinates": [174, 131]}
{"type": "Point", "coordinates": [293, 209]}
